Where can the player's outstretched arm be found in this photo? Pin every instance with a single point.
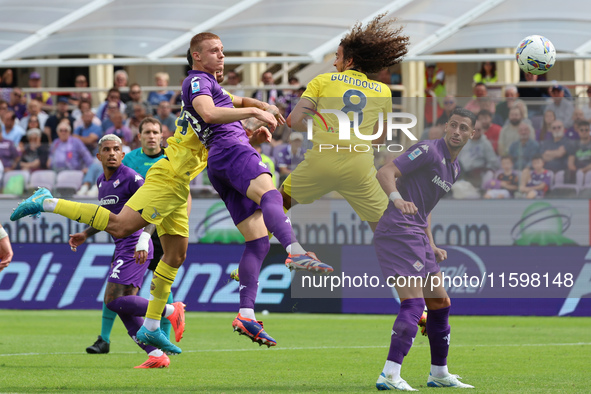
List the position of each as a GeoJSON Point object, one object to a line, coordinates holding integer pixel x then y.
{"type": "Point", "coordinates": [298, 117]}
{"type": "Point", "coordinates": [206, 108]}
{"type": "Point", "coordinates": [6, 253]}
{"type": "Point", "coordinates": [387, 178]}
{"type": "Point", "coordinates": [143, 244]}
{"type": "Point", "coordinates": [79, 238]}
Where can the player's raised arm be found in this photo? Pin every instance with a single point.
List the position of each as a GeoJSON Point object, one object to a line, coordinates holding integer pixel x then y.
{"type": "Point", "coordinates": [206, 108]}
{"type": "Point", "coordinates": [297, 118]}
{"type": "Point", "coordinates": [387, 178]}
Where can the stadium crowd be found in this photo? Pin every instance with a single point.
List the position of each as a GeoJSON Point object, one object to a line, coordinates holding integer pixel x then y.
{"type": "Point", "coordinates": [41, 131]}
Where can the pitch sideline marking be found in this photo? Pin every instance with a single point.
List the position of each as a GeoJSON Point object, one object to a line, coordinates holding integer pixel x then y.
{"type": "Point", "coordinates": [314, 348]}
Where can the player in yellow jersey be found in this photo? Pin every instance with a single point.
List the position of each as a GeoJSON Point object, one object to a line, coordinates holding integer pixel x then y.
{"type": "Point", "coordinates": [336, 164]}
{"type": "Point", "coordinates": [162, 201]}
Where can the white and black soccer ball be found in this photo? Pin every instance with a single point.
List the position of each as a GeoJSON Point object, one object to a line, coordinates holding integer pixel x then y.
{"type": "Point", "coordinates": [535, 55]}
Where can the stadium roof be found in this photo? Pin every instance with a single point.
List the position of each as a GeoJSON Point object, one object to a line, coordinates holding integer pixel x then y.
{"type": "Point", "coordinates": [156, 31]}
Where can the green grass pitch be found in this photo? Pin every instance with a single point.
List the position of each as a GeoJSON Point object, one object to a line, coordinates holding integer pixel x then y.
{"type": "Point", "coordinates": [45, 351]}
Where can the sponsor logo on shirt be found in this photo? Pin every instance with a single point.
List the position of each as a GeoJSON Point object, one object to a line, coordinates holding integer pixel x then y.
{"type": "Point", "coordinates": [138, 178]}
{"type": "Point", "coordinates": [262, 164]}
{"type": "Point", "coordinates": [109, 200]}
{"type": "Point", "coordinates": [443, 161]}
{"type": "Point", "coordinates": [425, 148]}
{"type": "Point", "coordinates": [414, 154]}
{"type": "Point", "coordinates": [441, 183]}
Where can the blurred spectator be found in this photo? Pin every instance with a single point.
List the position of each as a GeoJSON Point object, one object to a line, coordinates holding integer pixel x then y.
{"type": "Point", "coordinates": [272, 96]}
{"type": "Point", "coordinates": [112, 109]}
{"type": "Point", "coordinates": [434, 91]}
{"type": "Point", "coordinates": [525, 148]}
{"type": "Point", "coordinates": [166, 134]}
{"type": "Point", "coordinates": [449, 104]}
{"type": "Point", "coordinates": [290, 155]}
{"type": "Point", "coordinates": [509, 133]}
{"type": "Point", "coordinates": [164, 115]}
{"type": "Point", "coordinates": [60, 113]}
{"type": "Point", "coordinates": [505, 184]}
{"type": "Point", "coordinates": [10, 130]}
{"type": "Point", "coordinates": [35, 154]}
{"type": "Point", "coordinates": [233, 84]}
{"type": "Point", "coordinates": [34, 124]}
{"type": "Point", "coordinates": [572, 133]}
{"type": "Point", "coordinates": [587, 109]}
{"type": "Point", "coordinates": [487, 73]}
{"type": "Point", "coordinates": [545, 132]}
{"type": "Point", "coordinates": [77, 114]}
{"type": "Point", "coordinates": [34, 109]}
{"type": "Point", "coordinates": [75, 97]}
{"type": "Point", "coordinates": [477, 157]}
{"type": "Point", "coordinates": [113, 96]}
{"type": "Point", "coordinates": [139, 113]}
{"type": "Point", "coordinates": [120, 80]}
{"type": "Point", "coordinates": [18, 103]}
{"type": "Point", "coordinates": [555, 151]}
{"type": "Point", "coordinates": [120, 130]}
{"type": "Point", "coordinates": [135, 92]}
{"type": "Point", "coordinates": [511, 99]}
{"type": "Point", "coordinates": [562, 108]}
{"type": "Point", "coordinates": [481, 100]}
{"type": "Point", "coordinates": [534, 96]}
{"type": "Point", "coordinates": [491, 130]}
{"type": "Point", "coordinates": [580, 155]}
{"type": "Point", "coordinates": [67, 152]}
{"type": "Point", "coordinates": [535, 181]}
{"type": "Point", "coordinates": [154, 98]}
{"type": "Point", "coordinates": [88, 133]}
{"type": "Point", "coordinates": [35, 83]}
{"type": "Point", "coordinates": [436, 132]}
{"type": "Point", "coordinates": [8, 154]}
{"type": "Point", "coordinates": [7, 79]}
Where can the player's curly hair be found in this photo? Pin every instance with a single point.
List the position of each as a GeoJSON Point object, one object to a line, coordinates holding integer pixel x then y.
{"type": "Point", "coordinates": [376, 46]}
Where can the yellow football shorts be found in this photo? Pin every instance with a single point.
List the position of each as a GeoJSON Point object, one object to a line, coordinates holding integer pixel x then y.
{"type": "Point", "coordinates": [353, 175]}
{"type": "Point", "coordinates": [162, 200]}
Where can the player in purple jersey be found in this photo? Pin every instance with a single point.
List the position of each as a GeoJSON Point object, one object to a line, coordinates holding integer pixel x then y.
{"type": "Point", "coordinates": [116, 186]}
{"type": "Point", "coordinates": [415, 181]}
{"type": "Point", "coordinates": [237, 173]}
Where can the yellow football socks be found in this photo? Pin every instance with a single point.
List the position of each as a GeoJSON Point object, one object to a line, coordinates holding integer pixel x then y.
{"type": "Point", "coordinates": [91, 214]}
{"type": "Point", "coordinates": [164, 275]}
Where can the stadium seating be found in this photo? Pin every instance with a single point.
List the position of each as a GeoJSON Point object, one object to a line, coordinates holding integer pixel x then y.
{"type": "Point", "coordinates": [68, 182]}
{"type": "Point", "coordinates": [10, 187]}
{"type": "Point", "coordinates": [565, 190]}
{"type": "Point", "coordinates": [42, 178]}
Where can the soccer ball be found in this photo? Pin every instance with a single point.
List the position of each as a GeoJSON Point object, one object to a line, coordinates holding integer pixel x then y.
{"type": "Point", "coordinates": [535, 55]}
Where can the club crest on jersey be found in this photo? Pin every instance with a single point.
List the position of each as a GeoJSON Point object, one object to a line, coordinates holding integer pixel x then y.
{"type": "Point", "coordinates": [414, 154]}
{"type": "Point", "coordinates": [418, 265]}
{"type": "Point", "coordinates": [116, 183]}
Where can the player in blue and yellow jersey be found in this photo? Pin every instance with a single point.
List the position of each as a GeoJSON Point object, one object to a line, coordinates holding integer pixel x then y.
{"type": "Point", "coordinates": [335, 164]}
